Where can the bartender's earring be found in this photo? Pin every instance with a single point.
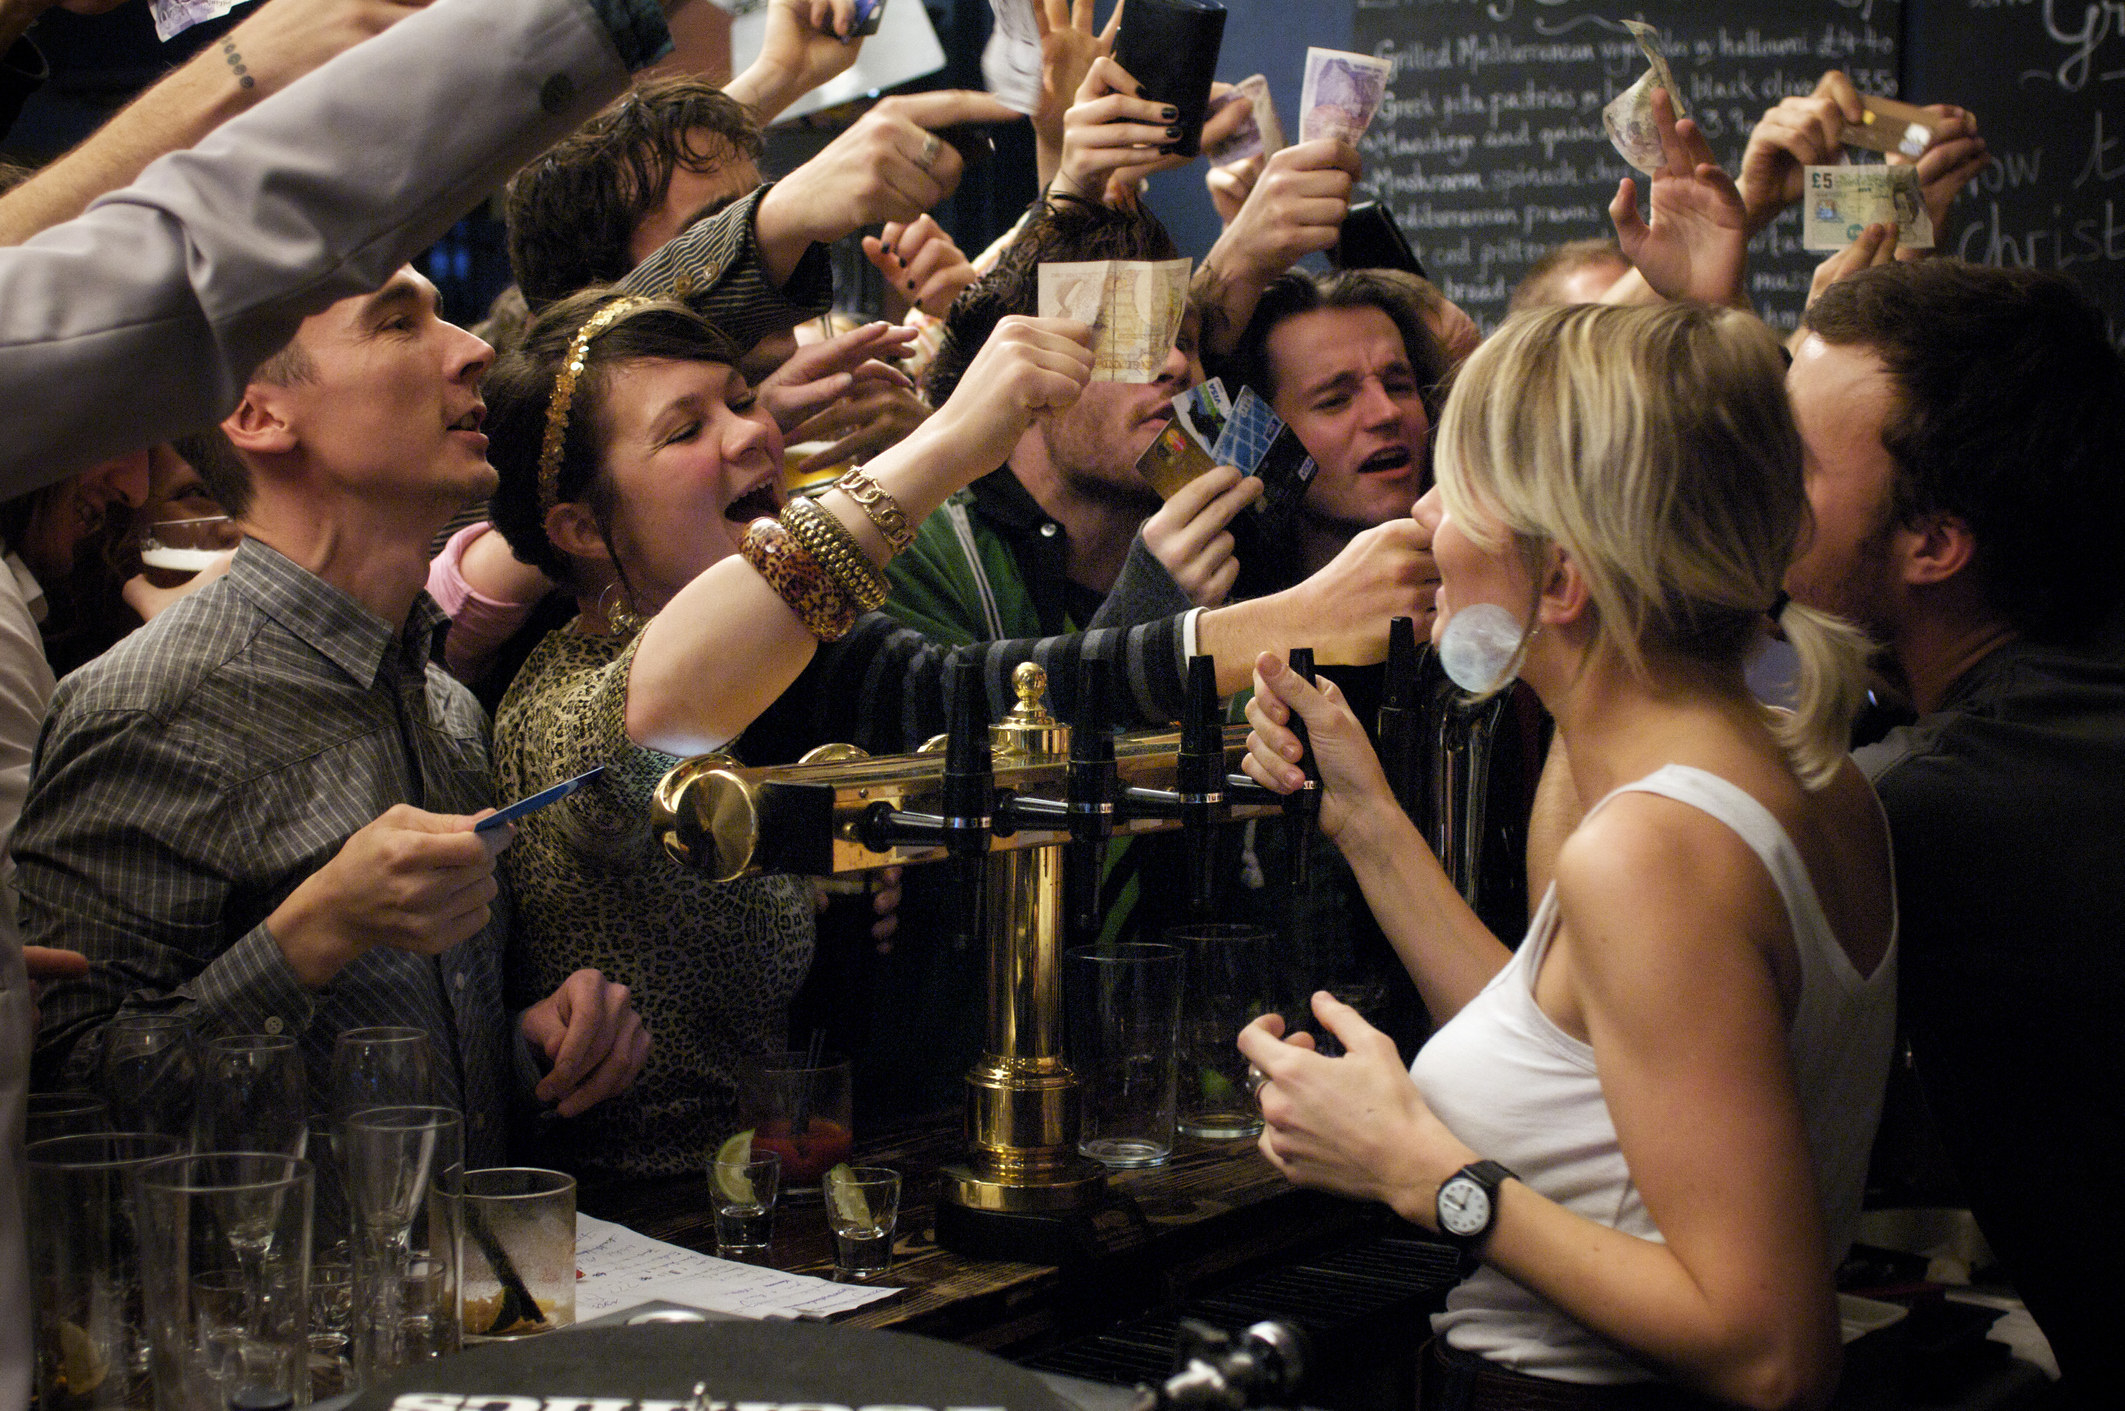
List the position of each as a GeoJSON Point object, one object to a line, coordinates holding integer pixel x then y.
{"type": "Point", "coordinates": [621, 619]}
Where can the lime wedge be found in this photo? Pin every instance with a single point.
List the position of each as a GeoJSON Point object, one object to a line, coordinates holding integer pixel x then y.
{"type": "Point", "coordinates": [81, 1361]}
{"type": "Point", "coordinates": [846, 1198]}
{"type": "Point", "coordinates": [726, 1168]}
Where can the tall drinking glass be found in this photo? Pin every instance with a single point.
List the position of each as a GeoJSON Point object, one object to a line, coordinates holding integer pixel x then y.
{"type": "Point", "coordinates": [1231, 982]}
{"type": "Point", "coordinates": [84, 1250]}
{"type": "Point", "coordinates": [251, 1096]}
{"type": "Point", "coordinates": [65, 1115]}
{"type": "Point", "coordinates": [518, 1254]}
{"type": "Point", "coordinates": [225, 1272]}
{"type": "Point", "coordinates": [1124, 1009]}
{"type": "Point", "coordinates": [384, 1066]}
{"type": "Point", "coordinates": [150, 1073]}
{"type": "Point", "coordinates": [799, 1109]}
{"type": "Point", "coordinates": [405, 1172]}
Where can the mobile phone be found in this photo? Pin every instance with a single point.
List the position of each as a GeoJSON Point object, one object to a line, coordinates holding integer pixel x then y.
{"type": "Point", "coordinates": [1370, 239]}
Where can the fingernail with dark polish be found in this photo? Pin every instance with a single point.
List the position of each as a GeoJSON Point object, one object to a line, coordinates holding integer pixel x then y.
{"type": "Point", "coordinates": [1169, 113]}
{"type": "Point", "coordinates": [1173, 131]}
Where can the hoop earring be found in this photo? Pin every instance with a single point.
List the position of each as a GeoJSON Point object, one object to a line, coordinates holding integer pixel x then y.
{"type": "Point", "coordinates": [621, 619]}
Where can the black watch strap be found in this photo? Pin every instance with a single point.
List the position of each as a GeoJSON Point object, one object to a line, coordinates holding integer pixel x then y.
{"type": "Point", "coordinates": [1488, 1175]}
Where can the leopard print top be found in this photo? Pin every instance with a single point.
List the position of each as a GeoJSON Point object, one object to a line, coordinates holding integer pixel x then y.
{"type": "Point", "coordinates": [712, 967]}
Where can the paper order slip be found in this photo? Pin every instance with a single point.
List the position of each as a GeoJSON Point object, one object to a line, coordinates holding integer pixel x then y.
{"type": "Point", "coordinates": [618, 1268]}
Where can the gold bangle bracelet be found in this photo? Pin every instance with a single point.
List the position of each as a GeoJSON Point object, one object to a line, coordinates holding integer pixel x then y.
{"type": "Point", "coordinates": [884, 512]}
{"type": "Point", "coordinates": [837, 551]}
{"type": "Point", "coordinates": [798, 579]}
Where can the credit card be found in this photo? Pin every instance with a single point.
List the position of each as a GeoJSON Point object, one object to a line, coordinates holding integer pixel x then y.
{"type": "Point", "coordinates": [537, 801]}
{"type": "Point", "coordinates": [1889, 126]}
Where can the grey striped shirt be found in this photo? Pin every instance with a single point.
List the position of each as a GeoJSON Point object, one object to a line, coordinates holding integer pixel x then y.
{"type": "Point", "coordinates": [190, 778]}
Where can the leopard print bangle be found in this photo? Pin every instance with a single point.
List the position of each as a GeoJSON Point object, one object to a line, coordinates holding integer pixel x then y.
{"type": "Point", "coordinates": [798, 579]}
{"type": "Point", "coordinates": [836, 550]}
{"type": "Point", "coordinates": [881, 508]}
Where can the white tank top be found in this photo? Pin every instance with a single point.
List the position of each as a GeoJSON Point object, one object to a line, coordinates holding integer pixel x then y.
{"type": "Point", "coordinates": [1511, 1084]}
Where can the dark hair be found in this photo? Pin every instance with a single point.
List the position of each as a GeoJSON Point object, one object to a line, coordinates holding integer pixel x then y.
{"type": "Point", "coordinates": [2011, 419]}
{"type": "Point", "coordinates": [1297, 292]}
{"type": "Point", "coordinates": [519, 388]}
{"type": "Point", "coordinates": [573, 212]}
{"type": "Point", "coordinates": [1539, 285]}
{"type": "Point", "coordinates": [209, 450]}
{"type": "Point", "coordinates": [13, 174]}
{"type": "Point", "coordinates": [1064, 228]}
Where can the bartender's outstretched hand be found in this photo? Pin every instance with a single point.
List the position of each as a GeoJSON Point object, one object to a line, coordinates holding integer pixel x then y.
{"type": "Point", "coordinates": [1355, 1125]}
{"type": "Point", "coordinates": [1352, 783]}
{"type": "Point", "coordinates": [596, 1041]}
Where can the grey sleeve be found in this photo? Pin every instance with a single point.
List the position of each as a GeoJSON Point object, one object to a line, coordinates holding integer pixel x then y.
{"type": "Point", "coordinates": [142, 318]}
{"type": "Point", "coordinates": [1143, 591]}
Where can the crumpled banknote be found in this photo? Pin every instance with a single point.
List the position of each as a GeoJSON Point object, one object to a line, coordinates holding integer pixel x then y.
{"type": "Point", "coordinates": [1342, 93]}
{"type": "Point", "coordinates": [1135, 308]}
{"type": "Point", "coordinates": [1629, 115]}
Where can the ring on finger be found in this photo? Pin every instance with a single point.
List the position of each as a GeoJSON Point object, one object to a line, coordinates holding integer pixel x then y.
{"type": "Point", "coordinates": [1256, 1079]}
{"type": "Point", "coordinates": [932, 144]}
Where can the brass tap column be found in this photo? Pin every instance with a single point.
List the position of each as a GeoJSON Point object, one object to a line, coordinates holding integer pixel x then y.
{"type": "Point", "coordinates": [1021, 1097]}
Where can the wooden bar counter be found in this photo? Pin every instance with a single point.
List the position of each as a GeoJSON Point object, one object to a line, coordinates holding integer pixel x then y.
{"type": "Point", "coordinates": [1169, 1232]}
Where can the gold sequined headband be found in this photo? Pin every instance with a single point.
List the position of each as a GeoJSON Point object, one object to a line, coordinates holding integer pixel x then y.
{"type": "Point", "coordinates": [564, 391]}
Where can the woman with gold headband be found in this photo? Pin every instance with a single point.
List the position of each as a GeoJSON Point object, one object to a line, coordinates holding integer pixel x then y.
{"type": "Point", "coordinates": [638, 471]}
{"type": "Point", "coordinates": [1648, 1127]}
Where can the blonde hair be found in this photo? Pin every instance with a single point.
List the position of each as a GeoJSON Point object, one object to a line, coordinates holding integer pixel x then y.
{"type": "Point", "coordinates": [1657, 448]}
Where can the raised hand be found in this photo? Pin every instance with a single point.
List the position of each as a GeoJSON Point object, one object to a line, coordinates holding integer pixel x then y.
{"type": "Point", "coordinates": [1294, 210]}
{"type": "Point", "coordinates": [1796, 134]}
{"type": "Point", "coordinates": [801, 48]}
{"type": "Point", "coordinates": [871, 417]}
{"type": "Point", "coordinates": [818, 374]}
{"type": "Point", "coordinates": [1950, 162]}
{"type": "Point", "coordinates": [1028, 367]}
{"type": "Point", "coordinates": [1111, 137]}
{"type": "Point", "coordinates": [1696, 245]}
{"type": "Point", "coordinates": [1230, 185]}
{"type": "Point", "coordinates": [1190, 535]}
{"type": "Point", "coordinates": [924, 265]}
{"type": "Point", "coordinates": [1876, 245]}
{"type": "Point", "coordinates": [1067, 49]}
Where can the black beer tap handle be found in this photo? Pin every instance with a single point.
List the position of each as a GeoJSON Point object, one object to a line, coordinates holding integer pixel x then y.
{"type": "Point", "coordinates": [1200, 772]}
{"type": "Point", "coordinates": [1401, 721]}
{"type": "Point", "coordinates": [1089, 799]}
{"type": "Point", "coordinates": [1302, 808]}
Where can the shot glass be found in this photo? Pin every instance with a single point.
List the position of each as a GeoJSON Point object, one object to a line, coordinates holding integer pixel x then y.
{"type": "Point", "coordinates": [743, 1194]}
{"type": "Point", "coordinates": [517, 1259]}
{"type": "Point", "coordinates": [84, 1249]}
{"type": "Point", "coordinates": [862, 1204]}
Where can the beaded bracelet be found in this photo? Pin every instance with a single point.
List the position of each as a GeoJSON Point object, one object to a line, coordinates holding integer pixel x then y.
{"type": "Point", "coordinates": [798, 579]}
{"type": "Point", "coordinates": [836, 550]}
{"type": "Point", "coordinates": [883, 510]}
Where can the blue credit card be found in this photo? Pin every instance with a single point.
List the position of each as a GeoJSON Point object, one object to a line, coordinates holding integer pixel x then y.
{"type": "Point", "coordinates": [537, 801]}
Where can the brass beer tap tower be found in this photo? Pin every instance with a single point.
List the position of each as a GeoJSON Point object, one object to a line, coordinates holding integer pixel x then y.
{"type": "Point", "coordinates": [1022, 808]}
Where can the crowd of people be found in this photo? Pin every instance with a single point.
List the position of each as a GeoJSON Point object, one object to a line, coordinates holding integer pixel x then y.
{"type": "Point", "coordinates": [1647, 1124]}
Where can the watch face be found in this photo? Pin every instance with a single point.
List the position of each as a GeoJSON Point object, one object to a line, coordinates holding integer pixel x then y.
{"type": "Point", "coordinates": [1464, 1207]}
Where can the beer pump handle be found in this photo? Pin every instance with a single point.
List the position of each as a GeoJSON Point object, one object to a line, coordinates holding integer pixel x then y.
{"type": "Point", "coordinates": [1090, 789]}
{"type": "Point", "coordinates": [1200, 771]}
{"type": "Point", "coordinates": [1403, 758]}
{"type": "Point", "coordinates": [1302, 807]}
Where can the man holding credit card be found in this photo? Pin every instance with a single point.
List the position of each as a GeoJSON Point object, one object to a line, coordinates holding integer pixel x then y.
{"type": "Point", "coordinates": [259, 810]}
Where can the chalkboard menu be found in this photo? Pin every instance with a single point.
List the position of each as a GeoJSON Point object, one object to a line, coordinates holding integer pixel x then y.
{"type": "Point", "coordinates": [2046, 79]}
{"type": "Point", "coordinates": [1490, 148]}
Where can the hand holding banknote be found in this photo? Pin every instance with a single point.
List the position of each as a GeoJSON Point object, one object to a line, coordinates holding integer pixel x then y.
{"type": "Point", "coordinates": [1696, 245]}
{"type": "Point", "coordinates": [1798, 133]}
{"type": "Point", "coordinates": [1876, 245]}
{"type": "Point", "coordinates": [1952, 159]}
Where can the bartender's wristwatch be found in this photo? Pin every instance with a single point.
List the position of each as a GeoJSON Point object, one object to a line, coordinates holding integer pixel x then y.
{"type": "Point", "coordinates": [1468, 1206]}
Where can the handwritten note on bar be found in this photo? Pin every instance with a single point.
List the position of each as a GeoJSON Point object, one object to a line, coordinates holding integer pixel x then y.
{"type": "Point", "coordinates": [618, 1268]}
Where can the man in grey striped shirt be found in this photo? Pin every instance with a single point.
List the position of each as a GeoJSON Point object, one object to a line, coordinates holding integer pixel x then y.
{"type": "Point", "coordinates": [258, 810]}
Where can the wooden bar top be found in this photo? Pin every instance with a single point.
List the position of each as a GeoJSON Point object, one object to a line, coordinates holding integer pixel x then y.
{"type": "Point", "coordinates": [1212, 1208]}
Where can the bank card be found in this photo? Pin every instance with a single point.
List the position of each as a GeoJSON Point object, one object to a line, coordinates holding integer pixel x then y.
{"type": "Point", "coordinates": [1889, 126]}
{"type": "Point", "coordinates": [1257, 441]}
{"type": "Point", "coordinates": [537, 801]}
{"type": "Point", "coordinates": [868, 15]}
{"type": "Point", "coordinates": [1173, 459]}
{"type": "Point", "coordinates": [1843, 201]}
{"type": "Point", "coordinates": [1203, 410]}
